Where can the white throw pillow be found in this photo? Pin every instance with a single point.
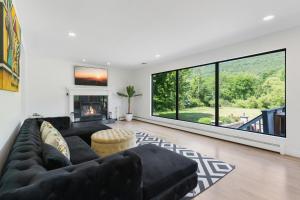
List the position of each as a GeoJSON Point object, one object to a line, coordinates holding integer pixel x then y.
{"type": "Point", "coordinates": [52, 136]}
{"type": "Point", "coordinates": [45, 124]}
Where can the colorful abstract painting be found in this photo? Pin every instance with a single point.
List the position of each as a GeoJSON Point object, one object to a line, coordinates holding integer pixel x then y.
{"type": "Point", "coordinates": [10, 47]}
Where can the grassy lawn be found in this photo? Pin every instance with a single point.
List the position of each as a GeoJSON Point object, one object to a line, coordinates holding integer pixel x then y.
{"type": "Point", "coordinates": [206, 114]}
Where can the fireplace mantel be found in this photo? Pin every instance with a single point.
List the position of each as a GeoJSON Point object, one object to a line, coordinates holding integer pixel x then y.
{"type": "Point", "coordinates": [88, 91]}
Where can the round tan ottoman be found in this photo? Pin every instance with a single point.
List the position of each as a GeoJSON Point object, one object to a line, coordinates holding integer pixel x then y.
{"type": "Point", "coordinates": [111, 141]}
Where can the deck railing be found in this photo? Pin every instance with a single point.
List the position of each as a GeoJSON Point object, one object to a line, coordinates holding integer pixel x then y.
{"type": "Point", "coordinates": [255, 125]}
{"type": "Point", "coordinates": [264, 123]}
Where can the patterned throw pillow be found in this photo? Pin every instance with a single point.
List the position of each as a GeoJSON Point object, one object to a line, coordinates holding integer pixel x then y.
{"type": "Point", "coordinates": [52, 136]}
{"type": "Point", "coordinates": [45, 129]}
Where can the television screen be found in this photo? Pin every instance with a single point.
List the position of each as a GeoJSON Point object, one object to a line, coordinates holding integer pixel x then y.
{"type": "Point", "coordinates": [90, 76]}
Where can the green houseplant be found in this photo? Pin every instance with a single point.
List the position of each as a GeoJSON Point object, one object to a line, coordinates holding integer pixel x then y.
{"type": "Point", "coordinates": [130, 93]}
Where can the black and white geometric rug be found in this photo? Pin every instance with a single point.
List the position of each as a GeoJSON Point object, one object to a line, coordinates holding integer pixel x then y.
{"type": "Point", "coordinates": [209, 170]}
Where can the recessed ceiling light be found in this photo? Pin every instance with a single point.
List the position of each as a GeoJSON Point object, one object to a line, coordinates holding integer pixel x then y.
{"type": "Point", "coordinates": [83, 60]}
{"type": "Point", "coordinates": [157, 56]}
{"type": "Point", "coordinates": [144, 63]}
{"type": "Point", "coordinates": [268, 18]}
{"type": "Point", "coordinates": [108, 63]}
{"type": "Point", "coordinates": [72, 34]}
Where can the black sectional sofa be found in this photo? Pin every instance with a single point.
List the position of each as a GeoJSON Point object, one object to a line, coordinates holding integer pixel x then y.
{"type": "Point", "coordinates": [144, 172]}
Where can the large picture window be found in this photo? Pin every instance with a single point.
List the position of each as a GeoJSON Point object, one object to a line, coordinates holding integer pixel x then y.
{"type": "Point", "coordinates": [164, 94]}
{"type": "Point", "coordinates": [245, 93]}
{"type": "Point", "coordinates": [197, 94]}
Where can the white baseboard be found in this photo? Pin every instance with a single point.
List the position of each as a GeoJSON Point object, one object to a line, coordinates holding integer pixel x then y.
{"type": "Point", "coordinates": [293, 153]}
{"type": "Point", "coordinates": [270, 143]}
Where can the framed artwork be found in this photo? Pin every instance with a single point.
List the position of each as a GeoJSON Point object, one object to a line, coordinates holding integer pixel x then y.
{"type": "Point", "coordinates": [10, 47]}
{"type": "Point", "coordinates": [91, 76]}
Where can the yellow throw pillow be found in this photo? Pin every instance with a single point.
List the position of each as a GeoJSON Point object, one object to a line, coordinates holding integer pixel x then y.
{"type": "Point", "coordinates": [52, 136]}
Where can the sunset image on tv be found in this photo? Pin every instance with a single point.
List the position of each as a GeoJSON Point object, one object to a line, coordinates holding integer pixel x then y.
{"type": "Point", "coordinates": [90, 76]}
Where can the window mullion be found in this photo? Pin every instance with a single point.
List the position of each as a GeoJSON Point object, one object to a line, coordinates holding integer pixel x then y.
{"type": "Point", "coordinates": [177, 93]}
{"type": "Point", "coordinates": [217, 92]}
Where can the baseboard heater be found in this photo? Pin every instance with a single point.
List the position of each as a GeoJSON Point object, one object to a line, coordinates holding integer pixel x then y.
{"type": "Point", "coordinates": [276, 147]}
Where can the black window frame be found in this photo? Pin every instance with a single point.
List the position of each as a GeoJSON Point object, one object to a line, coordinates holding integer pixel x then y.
{"type": "Point", "coordinates": [217, 90]}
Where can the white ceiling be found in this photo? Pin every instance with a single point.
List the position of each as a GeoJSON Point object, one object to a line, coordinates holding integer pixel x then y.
{"type": "Point", "coordinates": [129, 32]}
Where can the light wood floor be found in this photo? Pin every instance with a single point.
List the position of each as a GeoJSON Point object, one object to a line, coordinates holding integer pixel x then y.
{"type": "Point", "coordinates": [259, 174]}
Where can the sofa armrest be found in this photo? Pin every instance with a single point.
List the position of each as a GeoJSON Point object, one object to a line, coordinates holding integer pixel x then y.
{"type": "Point", "coordinates": [114, 177]}
{"type": "Point", "coordinates": [60, 123]}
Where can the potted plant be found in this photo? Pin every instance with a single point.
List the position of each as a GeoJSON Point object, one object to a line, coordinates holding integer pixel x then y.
{"type": "Point", "coordinates": [130, 93]}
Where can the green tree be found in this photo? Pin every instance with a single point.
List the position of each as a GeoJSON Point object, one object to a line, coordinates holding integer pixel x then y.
{"type": "Point", "coordinates": [272, 93]}
{"type": "Point", "coordinates": [184, 88]}
{"type": "Point", "coordinates": [164, 91]}
{"type": "Point", "coordinates": [238, 86]}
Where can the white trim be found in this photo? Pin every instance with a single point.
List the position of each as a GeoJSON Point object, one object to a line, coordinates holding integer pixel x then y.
{"type": "Point", "coordinates": [88, 91]}
{"type": "Point", "coordinates": [270, 143]}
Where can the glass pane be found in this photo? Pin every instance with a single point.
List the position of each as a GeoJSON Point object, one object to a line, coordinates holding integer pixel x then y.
{"type": "Point", "coordinates": [252, 94]}
{"type": "Point", "coordinates": [197, 94]}
{"type": "Point", "coordinates": [164, 94]}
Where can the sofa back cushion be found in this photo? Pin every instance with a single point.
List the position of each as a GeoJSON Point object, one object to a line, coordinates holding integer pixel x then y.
{"type": "Point", "coordinates": [60, 123]}
{"type": "Point", "coordinates": [24, 161]}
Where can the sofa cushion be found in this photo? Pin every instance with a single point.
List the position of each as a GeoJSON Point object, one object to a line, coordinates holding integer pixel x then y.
{"type": "Point", "coordinates": [83, 131]}
{"type": "Point", "coordinates": [53, 159]}
{"type": "Point", "coordinates": [162, 169]}
{"type": "Point", "coordinates": [80, 151]}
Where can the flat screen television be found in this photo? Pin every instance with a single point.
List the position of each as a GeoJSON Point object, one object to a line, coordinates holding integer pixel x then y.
{"type": "Point", "coordinates": [92, 76]}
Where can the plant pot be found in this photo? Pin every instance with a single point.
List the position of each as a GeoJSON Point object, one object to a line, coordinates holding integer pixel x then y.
{"type": "Point", "coordinates": [128, 117]}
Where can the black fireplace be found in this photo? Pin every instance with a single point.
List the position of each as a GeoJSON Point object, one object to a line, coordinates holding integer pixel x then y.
{"type": "Point", "coordinates": [90, 108]}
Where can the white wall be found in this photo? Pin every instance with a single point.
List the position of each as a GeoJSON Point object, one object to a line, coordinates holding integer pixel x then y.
{"type": "Point", "coordinates": [289, 39]}
{"type": "Point", "coordinates": [47, 81]}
